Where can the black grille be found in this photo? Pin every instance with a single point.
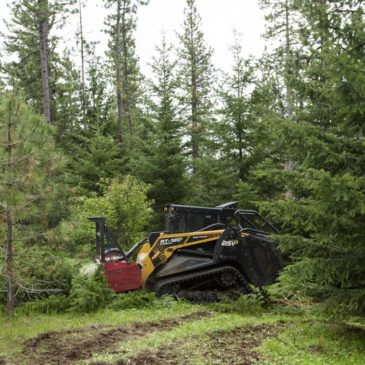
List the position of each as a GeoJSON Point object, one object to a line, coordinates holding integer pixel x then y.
{"type": "Point", "coordinates": [185, 218]}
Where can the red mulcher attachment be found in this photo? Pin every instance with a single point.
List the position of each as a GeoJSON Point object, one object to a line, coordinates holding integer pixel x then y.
{"type": "Point", "coordinates": [121, 275]}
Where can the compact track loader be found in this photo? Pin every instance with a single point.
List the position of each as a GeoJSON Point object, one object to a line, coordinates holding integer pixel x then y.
{"type": "Point", "coordinates": [201, 252]}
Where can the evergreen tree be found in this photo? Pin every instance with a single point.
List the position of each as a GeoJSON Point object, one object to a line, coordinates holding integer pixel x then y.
{"type": "Point", "coordinates": [28, 163]}
{"type": "Point", "coordinates": [96, 162]}
{"type": "Point", "coordinates": [31, 41]}
{"type": "Point", "coordinates": [163, 165]}
{"type": "Point", "coordinates": [283, 24]}
{"type": "Point", "coordinates": [121, 25]}
{"type": "Point", "coordinates": [196, 82]}
{"type": "Point", "coordinates": [325, 222]}
{"type": "Point", "coordinates": [237, 125]}
{"type": "Point", "coordinates": [98, 93]}
{"type": "Point", "coordinates": [93, 145]}
{"type": "Point", "coordinates": [38, 68]}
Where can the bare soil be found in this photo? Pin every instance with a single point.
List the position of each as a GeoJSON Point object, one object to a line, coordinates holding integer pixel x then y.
{"type": "Point", "coordinates": [237, 347]}
{"type": "Point", "coordinates": [68, 347]}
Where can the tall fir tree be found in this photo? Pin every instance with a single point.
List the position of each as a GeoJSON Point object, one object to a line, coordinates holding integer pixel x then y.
{"type": "Point", "coordinates": [283, 24]}
{"type": "Point", "coordinates": [163, 165]}
{"type": "Point", "coordinates": [196, 72]}
{"type": "Point", "coordinates": [121, 25]}
{"type": "Point", "coordinates": [236, 126]}
{"type": "Point", "coordinates": [35, 70]}
{"type": "Point", "coordinates": [324, 223]}
{"type": "Point", "coordinates": [29, 163]}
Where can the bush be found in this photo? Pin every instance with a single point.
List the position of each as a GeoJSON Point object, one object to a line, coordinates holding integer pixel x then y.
{"type": "Point", "coordinates": [125, 207]}
{"type": "Point", "coordinates": [38, 274]}
{"type": "Point", "coordinates": [52, 304]}
{"type": "Point", "coordinates": [89, 293]}
{"type": "Point", "coordinates": [244, 304]}
{"type": "Point", "coordinates": [136, 299]}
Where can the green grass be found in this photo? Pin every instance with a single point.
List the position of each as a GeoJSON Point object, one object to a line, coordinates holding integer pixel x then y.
{"type": "Point", "coordinates": [21, 327]}
{"type": "Point", "coordinates": [306, 338]}
{"type": "Point", "coordinates": [317, 343]}
{"type": "Point", "coordinates": [188, 332]}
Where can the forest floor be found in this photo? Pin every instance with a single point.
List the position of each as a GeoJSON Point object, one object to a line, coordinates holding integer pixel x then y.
{"type": "Point", "coordinates": [182, 333]}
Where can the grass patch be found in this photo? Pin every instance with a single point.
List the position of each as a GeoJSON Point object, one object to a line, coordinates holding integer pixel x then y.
{"type": "Point", "coordinates": [316, 343]}
{"type": "Point", "coordinates": [15, 331]}
{"type": "Point", "coordinates": [186, 332]}
{"type": "Point", "coordinates": [304, 338]}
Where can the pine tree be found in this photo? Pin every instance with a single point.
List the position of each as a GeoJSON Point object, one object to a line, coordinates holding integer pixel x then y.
{"type": "Point", "coordinates": [283, 25]}
{"type": "Point", "coordinates": [31, 41]}
{"type": "Point", "coordinates": [163, 165]}
{"type": "Point", "coordinates": [324, 224]}
{"type": "Point", "coordinates": [196, 82]}
{"type": "Point", "coordinates": [236, 127]}
{"type": "Point", "coordinates": [121, 25]}
{"type": "Point", "coordinates": [98, 93]}
{"type": "Point", "coordinates": [96, 161]}
{"type": "Point", "coordinates": [28, 163]}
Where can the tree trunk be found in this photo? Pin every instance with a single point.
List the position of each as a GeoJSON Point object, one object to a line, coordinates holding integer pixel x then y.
{"type": "Point", "coordinates": [9, 264]}
{"type": "Point", "coordinates": [118, 79]}
{"type": "Point", "coordinates": [9, 224]}
{"type": "Point", "coordinates": [128, 108]}
{"type": "Point", "coordinates": [194, 106]}
{"type": "Point", "coordinates": [289, 164]}
{"type": "Point", "coordinates": [43, 39]}
{"type": "Point", "coordinates": [289, 94]}
{"type": "Point", "coordinates": [82, 63]}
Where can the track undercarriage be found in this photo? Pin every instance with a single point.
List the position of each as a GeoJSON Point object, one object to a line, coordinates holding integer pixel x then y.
{"type": "Point", "coordinates": [206, 286]}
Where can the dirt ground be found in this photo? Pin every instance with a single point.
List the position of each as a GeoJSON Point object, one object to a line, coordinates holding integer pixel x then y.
{"type": "Point", "coordinates": [235, 347]}
{"type": "Point", "coordinates": [68, 347]}
{"type": "Point", "coordinates": [73, 346]}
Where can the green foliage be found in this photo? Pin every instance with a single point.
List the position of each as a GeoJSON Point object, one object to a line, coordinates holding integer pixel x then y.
{"type": "Point", "coordinates": [196, 79]}
{"type": "Point", "coordinates": [244, 305]}
{"type": "Point", "coordinates": [51, 305]}
{"type": "Point", "coordinates": [31, 178]}
{"type": "Point", "coordinates": [324, 218]}
{"type": "Point", "coordinates": [136, 299]}
{"type": "Point", "coordinates": [89, 293]}
{"type": "Point", "coordinates": [125, 206]}
{"type": "Point", "coordinates": [163, 164]}
{"type": "Point", "coordinates": [24, 71]}
{"type": "Point", "coordinates": [96, 161]}
{"type": "Point", "coordinates": [38, 274]}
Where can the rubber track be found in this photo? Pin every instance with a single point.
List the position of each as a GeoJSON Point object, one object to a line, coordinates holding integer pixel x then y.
{"type": "Point", "coordinates": [200, 275]}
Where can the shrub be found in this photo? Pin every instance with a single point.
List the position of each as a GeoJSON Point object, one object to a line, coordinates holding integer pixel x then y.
{"type": "Point", "coordinates": [136, 299]}
{"type": "Point", "coordinates": [244, 304]}
{"type": "Point", "coordinates": [52, 304]}
{"type": "Point", "coordinates": [89, 293]}
{"type": "Point", "coordinates": [38, 274]}
{"type": "Point", "coordinates": [125, 207]}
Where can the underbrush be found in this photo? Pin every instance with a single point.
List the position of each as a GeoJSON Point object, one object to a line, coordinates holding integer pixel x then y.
{"type": "Point", "coordinates": [137, 299]}
{"type": "Point", "coordinates": [244, 304]}
{"type": "Point", "coordinates": [90, 294]}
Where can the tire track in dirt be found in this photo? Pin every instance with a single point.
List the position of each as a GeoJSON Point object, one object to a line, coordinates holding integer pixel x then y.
{"type": "Point", "coordinates": [67, 347]}
{"type": "Point", "coordinates": [235, 347]}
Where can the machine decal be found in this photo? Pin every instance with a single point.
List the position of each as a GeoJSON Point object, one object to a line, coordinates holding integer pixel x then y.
{"type": "Point", "coordinates": [198, 238]}
{"type": "Point", "coordinates": [230, 243]}
{"type": "Point", "coordinates": [171, 241]}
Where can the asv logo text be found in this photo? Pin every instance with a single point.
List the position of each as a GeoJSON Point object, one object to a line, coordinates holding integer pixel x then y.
{"type": "Point", "coordinates": [230, 243]}
{"type": "Point", "coordinates": [171, 241]}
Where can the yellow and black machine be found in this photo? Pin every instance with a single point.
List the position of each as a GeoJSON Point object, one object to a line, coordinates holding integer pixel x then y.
{"type": "Point", "coordinates": [201, 252]}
